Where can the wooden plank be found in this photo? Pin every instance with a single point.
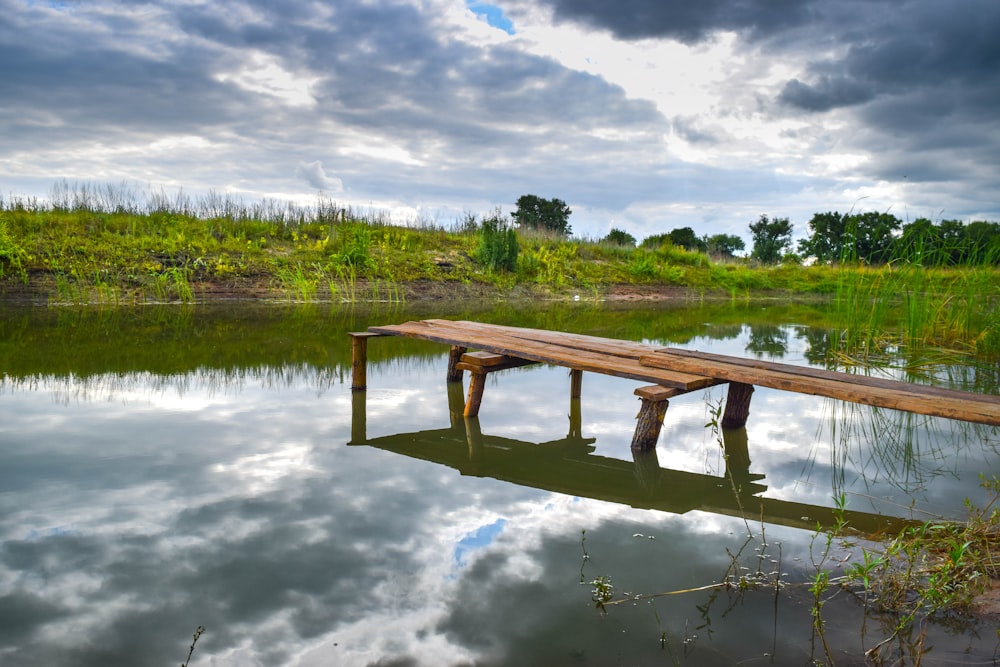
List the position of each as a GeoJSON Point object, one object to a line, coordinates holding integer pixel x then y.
{"type": "Point", "coordinates": [486, 359]}
{"type": "Point", "coordinates": [898, 395]}
{"type": "Point", "coordinates": [854, 378]}
{"type": "Point", "coordinates": [611, 346]}
{"type": "Point", "coordinates": [657, 392]}
{"type": "Point", "coordinates": [506, 363]}
{"type": "Point", "coordinates": [452, 333]}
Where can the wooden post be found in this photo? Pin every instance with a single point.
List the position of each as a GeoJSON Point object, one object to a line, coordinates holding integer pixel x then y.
{"type": "Point", "coordinates": [575, 420]}
{"type": "Point", "coordinates": [647, 469]}
{"type": "Point", "coordinates": [359, 359]}
{"type": "Point", "coordinates": [477, 383]}
{"type": "Point", "coordinates": [734, 443]}
{"type": "Point", "coordinates": [737, 405]}
{"type": "Point", "coordinates": [650, 418]}
{"type": "Point", "coordinates": [575, 383]}
{"type": "Point", "coordinates": [456, 403]}
{"type": "Point", "coordinates": [455, 356]}
{"type": "Point", "coordinates": [474, 437]}
{"type": "Point", "coordinates": [359, 417]}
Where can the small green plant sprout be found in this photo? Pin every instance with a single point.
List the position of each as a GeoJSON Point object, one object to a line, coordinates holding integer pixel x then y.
{"type": "Point", "coordinates": [197, 635]}
{"type": "Point", "coordinates": [602, 592]}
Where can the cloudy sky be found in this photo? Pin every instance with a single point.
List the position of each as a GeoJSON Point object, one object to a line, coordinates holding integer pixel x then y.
{"type": "Point", "coordinates": [641, 114]}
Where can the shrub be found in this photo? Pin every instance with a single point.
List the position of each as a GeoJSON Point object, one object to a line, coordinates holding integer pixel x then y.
{"type": "Point", "coordinates": [498, 246]}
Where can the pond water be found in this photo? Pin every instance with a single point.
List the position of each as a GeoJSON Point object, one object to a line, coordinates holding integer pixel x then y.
{"type": "Point", "coordinates": [165, 468]}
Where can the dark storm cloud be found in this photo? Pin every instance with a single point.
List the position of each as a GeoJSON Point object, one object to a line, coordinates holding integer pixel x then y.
{"type": "Point", "coordinates": [383, 71]}
{"type": "Point", "coordinates": [908, 71]}
{"type": "Point", "coordinates": [825, 94]}
{"type": "Point", "coordinates": [687, 22]}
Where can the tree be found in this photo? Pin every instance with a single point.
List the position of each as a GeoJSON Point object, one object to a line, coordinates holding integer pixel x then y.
{"type": "Point", "coordinates": [873, 236]}
{"type": "Point", "coordinates": [544, 214]}
{"type": "Point", "coordinates": [867, 237]}
{"type": "Point", "coordinates": [619, 237]}
{"type": "Point", "coordinates": [724, 245]}
{"type": "Point", "coordinates": [770, 238]}
{"type": "Point", "coordinates": [687, 239]}
{"type": "Point", "coordinates": [826, 242]}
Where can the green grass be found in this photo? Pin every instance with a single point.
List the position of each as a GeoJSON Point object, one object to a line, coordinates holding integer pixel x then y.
{"type": "Point", "coordinates": [109, 245]}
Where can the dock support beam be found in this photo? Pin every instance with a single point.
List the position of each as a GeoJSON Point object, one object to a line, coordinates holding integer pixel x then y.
{"type": "Point", "coordinates": [575, 383]}
{"type": "Point", "coordinates": [359, 359]}
{"type": "Point", "coordinates": [359, 417]}
{"type": "Point", "coordinates": [477, 383]}
{"type": "Point", "coordinates": [737, 405]}
{"type": "Point", "coordinates": [650, 419]}
{"type": "Point", "coordinates": [454, 357]}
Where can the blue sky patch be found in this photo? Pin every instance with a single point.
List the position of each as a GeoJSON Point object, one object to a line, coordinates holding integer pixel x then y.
{"type": "Point", "coordinates": [493, 15]}
{"type": "Point", "coordinates": [483, 537]}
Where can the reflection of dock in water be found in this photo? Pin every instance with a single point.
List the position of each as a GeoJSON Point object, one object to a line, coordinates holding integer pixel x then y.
{"type": "Point", "coordinates": [570, 467]}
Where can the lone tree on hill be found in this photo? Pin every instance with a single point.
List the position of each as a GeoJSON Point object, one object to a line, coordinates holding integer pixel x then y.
{"type": "Point", "coordinates": [770, 238]}
{"type": "Point", "coordinates": [545, 214]}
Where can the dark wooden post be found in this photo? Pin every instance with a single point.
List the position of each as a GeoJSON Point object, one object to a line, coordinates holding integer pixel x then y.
{"type": "Point", "coordinates": [737, 405]}
{"type": "Point", "coordinates": [650, 419]}
{"type": "Point", "coordinates": [359, 417]}
{"type": "Point", "coordinates": [477, 383]}
{"type": "Point", "coordinates": [454, 357]}
{"type": "Point", "coordinates": [359, 359]}
{"type": "Point", "coordinates": [647, 469]}
{"type": "Point", "coordinates": [474, 437]}
{"type": "Point", "coordinates": [575, 420]}
{"type": "Point", "coordinates": [575, 383]}
{"type": "Point", "coordinates": [734, 443]}
{"type": "Point", "coordinates": [575, 411]}
{"type": "Point", "coordinates": [456, 403]}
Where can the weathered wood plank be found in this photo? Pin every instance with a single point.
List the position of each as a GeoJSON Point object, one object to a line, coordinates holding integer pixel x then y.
{"type": "Point", "coordinates": [897, 395]}
{"type": "Point", "coordinates": [610, 346]}
{"type": "Point", "coordinates": [854, 378]}
{"type": "Point", "coordinates": [452, 333]}
{"type": "Point", "coordinates": [501, 362]}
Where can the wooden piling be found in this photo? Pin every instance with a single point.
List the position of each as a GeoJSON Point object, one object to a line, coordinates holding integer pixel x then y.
{"type": "Point", "coordinates": [737, 405]}
{"type": "Point", "coordinates": [456, 404]}
{"type": "Point", "coordinates": [359, 417]}
{"type": "Point", "coordinates": [359, 359]}
{"type": "Point", "coordinates": [575, 420]}
{"type": "Point", "coordinates": [454, 357]}
{"type": "Point", "coordinates": [575, 383]}
{"type": "Point", "coordinates": [477, 383]}
{"type": "Point", "coordinates": [650, 418]}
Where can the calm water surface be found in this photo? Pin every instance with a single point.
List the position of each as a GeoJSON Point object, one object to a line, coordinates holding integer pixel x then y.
{"type": "Point", "coordinates": [165, 468]}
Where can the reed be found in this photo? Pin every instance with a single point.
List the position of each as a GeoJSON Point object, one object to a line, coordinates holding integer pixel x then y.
{"type": "Point", "coordinates": [898, 312]}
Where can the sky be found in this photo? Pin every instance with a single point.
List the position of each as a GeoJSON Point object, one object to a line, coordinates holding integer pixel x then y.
{"type": "Point", "coordinates": [642, 115]}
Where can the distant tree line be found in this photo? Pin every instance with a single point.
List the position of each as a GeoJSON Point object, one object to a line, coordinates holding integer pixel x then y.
{"type": "Point", "coordinates": [871, 238]}
{"type": "Point", "coordinates": [879, 238]}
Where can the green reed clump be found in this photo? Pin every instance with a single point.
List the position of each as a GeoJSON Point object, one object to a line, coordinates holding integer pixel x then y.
{"type": "Point", "coordinates": [498, 246]}
{"type": "Point", "coordinates": [916, 303]}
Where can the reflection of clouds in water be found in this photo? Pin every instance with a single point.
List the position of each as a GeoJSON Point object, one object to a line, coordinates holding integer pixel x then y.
{"type": "Point", "coordinates": [127, 523]}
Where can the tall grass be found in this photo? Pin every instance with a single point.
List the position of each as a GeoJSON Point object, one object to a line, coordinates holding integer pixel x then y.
{"type": "Point", "coordinates": [915, 306]}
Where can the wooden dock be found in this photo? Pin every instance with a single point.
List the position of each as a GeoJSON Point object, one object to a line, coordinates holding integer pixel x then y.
{"type": "Point", "coordinates": [670, 372]}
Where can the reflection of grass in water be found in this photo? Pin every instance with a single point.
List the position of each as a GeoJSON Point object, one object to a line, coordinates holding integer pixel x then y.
{"type": "Point", "coordinates": [902, 448]}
